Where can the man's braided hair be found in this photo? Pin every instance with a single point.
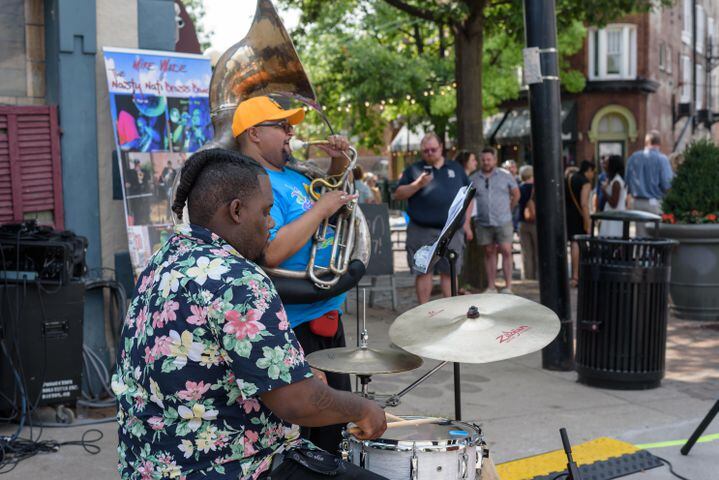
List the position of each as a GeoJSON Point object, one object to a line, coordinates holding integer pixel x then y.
{"type": "Point", "coordinates": [212, 178]}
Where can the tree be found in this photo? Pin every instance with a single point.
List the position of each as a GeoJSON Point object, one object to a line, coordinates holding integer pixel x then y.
{"type": "Point", "coordinates": [383, 43]}
{"type": "Point", "coordinates": [196, 11]}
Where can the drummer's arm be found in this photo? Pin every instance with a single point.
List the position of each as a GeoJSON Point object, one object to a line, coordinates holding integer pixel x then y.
{"type": "Point", "coordinates": [311, 403]}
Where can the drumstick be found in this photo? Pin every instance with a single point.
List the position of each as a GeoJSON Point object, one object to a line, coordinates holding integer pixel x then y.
{"type": "Point", "coordinates": [402, 423]}
{"type": "Point", "coordinates": [394, 418]}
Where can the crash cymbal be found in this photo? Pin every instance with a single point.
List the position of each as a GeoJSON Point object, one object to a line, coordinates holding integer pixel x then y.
{"type": "Point", "coordinates": [500, 327]}
{"type": "Point", "coordinates": [363, 360]}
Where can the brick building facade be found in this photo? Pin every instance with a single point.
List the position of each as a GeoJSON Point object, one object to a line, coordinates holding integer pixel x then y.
{"type": "Point", "coordinates": [644, 71]}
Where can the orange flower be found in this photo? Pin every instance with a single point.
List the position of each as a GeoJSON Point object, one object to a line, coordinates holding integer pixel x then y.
{"type": "Point", "coordinates": [668, 218]}
{"type": "Point", "coordinates": [711, 217]}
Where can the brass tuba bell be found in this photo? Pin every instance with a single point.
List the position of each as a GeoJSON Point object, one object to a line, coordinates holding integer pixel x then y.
{"type": "Point", "coordinates": [265, 62]}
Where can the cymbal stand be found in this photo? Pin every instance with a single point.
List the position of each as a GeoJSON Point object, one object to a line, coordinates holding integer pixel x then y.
{"type": "Point", "coordinates": [393, 401]}
{"type": "Point", "coordinates": [362, 339]}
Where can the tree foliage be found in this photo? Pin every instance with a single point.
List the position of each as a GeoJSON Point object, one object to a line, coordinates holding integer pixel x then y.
{"type": "Point", "coordinates": [365, 52]}
{"type": "Point", "coordinates": [196, 11]}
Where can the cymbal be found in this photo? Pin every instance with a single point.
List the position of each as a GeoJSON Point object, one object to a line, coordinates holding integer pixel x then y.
{"type": "Point", "coordinates": [363, 360]}
{"type": "Point", "coordinates": [505, 326]}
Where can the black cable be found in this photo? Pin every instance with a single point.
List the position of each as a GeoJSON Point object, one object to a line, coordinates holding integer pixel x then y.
{"type": "Point", "coordinates": [671, 467]}
{"type": "Point", "coordinates": [12, 453]}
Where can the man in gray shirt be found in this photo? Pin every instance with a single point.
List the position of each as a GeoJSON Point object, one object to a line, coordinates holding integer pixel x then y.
{"type": "Point", "coordinates": [497, 194]}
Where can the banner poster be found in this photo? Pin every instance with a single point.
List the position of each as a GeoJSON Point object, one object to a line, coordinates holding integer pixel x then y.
{"type": "Point", "coordinates": [160, 107]}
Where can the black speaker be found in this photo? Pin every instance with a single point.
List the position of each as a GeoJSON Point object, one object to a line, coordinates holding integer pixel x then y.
{"type": "Point", "coordinates": [42, 331]}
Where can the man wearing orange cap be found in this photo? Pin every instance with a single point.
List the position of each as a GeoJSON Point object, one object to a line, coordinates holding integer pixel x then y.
{"type": "Point", "coordinates": [263, 130]}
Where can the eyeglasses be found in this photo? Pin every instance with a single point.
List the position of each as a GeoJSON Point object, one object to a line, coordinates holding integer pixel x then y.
{"type": "Point", "coordinates": [288, 128]}
{"type": "Point", "coordinates": [430, 150]}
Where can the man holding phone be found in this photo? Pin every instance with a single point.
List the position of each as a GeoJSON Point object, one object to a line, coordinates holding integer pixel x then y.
{"type": "Point", "coordinates": [429, 186]}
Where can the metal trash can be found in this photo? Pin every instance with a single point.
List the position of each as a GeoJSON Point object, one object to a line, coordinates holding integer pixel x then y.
{"type": "Point", "coordinates": [622, 306]}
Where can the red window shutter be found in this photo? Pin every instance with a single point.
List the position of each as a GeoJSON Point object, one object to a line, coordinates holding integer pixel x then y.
{"type": "Point", "coordinates": [30, 174]}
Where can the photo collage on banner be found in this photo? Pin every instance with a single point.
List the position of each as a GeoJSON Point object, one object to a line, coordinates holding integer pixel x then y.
{"type": "Point", "coordinates": [160, 107]}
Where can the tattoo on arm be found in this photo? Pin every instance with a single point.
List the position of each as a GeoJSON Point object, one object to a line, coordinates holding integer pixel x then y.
{"type": "Point", "coordinates": [343, 403]}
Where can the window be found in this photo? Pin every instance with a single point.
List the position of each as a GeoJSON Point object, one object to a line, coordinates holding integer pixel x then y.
{"type": "Point", "coordinates": [713, 89]}
{"type": "Point", "coordinates": [701, 30]}
{"type": "Point", "coordinates": [612, 52]}
{"type": "Point", "coordinates": [701, 83]}
{"type": "Point", "coordinates": [669, 61]}
{"type": "Point", "coordinates": [662, 56]}
{"type": "Point", "coordinates": [686, 91]}
{"type": "Point", "coordinates": [687, 22]}
{"type": "Point", "coordinates": [711, 37]}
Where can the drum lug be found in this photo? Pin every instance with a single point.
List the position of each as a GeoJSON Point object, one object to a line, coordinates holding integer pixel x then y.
{"type": "Point", "coordinates": [462, 468]}
{"type": "Point", "coordinates": [363, 458]}
{"type": "Point", "coordinates": [414, 465]}
{"type": "Point", "coordinates": [345, 450]}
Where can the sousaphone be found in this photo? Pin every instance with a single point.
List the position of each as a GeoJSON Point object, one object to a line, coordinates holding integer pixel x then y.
{"type": "Point", "coordinates": [265, 62]}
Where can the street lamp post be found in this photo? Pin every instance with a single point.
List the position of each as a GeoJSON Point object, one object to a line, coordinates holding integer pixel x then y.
{"type": "Point", "coordinates": [542, 75]}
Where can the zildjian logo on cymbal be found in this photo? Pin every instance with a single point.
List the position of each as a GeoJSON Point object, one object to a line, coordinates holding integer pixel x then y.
{"type": "Point", "coordinates": [507, 337]}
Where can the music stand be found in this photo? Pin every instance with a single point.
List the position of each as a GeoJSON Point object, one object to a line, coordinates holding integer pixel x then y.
{"type": "Point", "coordinates": [443, 251]}
{"type": "Point", "coordinates": [700, 429]}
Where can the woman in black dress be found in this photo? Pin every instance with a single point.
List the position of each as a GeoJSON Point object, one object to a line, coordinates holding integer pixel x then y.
{"type": "Point", "coordinates": [578, 186]}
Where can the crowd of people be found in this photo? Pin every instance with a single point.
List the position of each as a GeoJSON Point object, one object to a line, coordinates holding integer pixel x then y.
{"type": "Point", "coordinates": [504, 208]}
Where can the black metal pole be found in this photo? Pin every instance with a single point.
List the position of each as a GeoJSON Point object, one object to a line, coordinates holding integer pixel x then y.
{"type": "Point", "coordinates": [700, 429]}
{"type": "Point", "coordinates": [545, 110]}
{"type": "Point", "coordinates": [452, 257]}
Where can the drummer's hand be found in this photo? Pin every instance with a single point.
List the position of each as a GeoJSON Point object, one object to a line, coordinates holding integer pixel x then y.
{"type": "Point", "coordinates": [373, 422]}
{"type": "Point", "coordinates": [319, 375]}
{"type": "Point", "coordinates": [336, 145]}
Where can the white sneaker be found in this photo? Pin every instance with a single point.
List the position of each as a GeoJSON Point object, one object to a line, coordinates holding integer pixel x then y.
{"type": "Point", "coordinates": [491, 290]}
{"type": "Point", "coordinates": [507, 290]}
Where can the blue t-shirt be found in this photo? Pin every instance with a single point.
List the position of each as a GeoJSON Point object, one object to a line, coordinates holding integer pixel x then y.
{"type": "Point", "coordinates": [292, 200]}
{"type": "Point", "coordinates": [429, 206]}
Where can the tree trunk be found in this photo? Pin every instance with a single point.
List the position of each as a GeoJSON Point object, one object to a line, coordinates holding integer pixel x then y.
{"type": "Point", "coordinates": [469, 43]}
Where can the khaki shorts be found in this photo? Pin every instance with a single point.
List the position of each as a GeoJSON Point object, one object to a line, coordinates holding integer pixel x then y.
{"type": "Point", "coordinates": [492, 235]}
{"type": "Point", "coordinates": [418, 236]}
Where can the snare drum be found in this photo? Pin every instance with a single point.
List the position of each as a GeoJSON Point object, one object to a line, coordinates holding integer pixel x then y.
{"type": "Point", "coordinates": [448, 450]}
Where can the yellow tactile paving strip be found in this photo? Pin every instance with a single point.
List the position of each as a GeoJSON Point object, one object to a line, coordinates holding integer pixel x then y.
{"type": "Point", "coordinates": [586, 453]}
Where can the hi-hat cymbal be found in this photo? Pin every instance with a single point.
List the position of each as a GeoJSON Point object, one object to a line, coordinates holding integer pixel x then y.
{"type": "Point", "coordinates": [363, 360]}
{"type": "Point", "coordinates": [505, 326]}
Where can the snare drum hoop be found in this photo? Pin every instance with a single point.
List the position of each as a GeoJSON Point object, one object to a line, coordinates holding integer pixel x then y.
{"type": "Point", "coordinates": [471, 440]}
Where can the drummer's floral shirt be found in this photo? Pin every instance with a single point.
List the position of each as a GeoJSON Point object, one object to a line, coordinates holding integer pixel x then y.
{"type": "Point", "coordinates": [204, 336]}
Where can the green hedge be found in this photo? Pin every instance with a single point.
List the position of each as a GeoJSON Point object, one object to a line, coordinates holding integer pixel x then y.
{"type": "Point", "coordinates": [694, 196]}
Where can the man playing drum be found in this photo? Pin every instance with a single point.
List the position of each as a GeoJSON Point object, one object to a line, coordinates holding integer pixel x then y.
{"type": "Point", "coordinates": [210, 376]}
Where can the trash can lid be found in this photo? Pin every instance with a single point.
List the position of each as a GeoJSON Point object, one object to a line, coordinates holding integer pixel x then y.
{"type": "Point", "coordinates": [627, 216]}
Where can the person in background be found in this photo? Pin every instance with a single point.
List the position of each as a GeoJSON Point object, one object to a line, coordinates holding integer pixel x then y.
{"type": "Point", "coordinates": [579, 185]}
{"type": "Point", "coordinates": [527, 223]}
{"type": "Point", "coordinates": [468, 160]}
{"type": "Point", "coordinates": [496, 196]}
{"type": "Point", "coordinates": [511, 167]}
{"type": "Point", "coordinates": [429, 186]}
{"type": "Point", "coordinates": [649, 177]}
{"type": "Point", "coordinates": [370, 179]}
{"type": "Point", "coordinates": [599, 198]}
{"type": "Point", "coordinates": [615, 191]}
{"type": "Point", "coordinates": [361, 189]}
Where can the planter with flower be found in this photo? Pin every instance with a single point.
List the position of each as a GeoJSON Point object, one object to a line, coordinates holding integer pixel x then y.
{"type": "Point", "coordinates": [691, 212]}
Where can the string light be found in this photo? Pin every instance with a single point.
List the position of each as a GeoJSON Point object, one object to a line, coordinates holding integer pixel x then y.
{"type": "Point", "coordinates": [347, 107]}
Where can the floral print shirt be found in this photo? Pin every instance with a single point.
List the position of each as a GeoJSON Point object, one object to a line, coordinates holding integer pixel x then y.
{"type": "Point", "coordinates": [204, 336]}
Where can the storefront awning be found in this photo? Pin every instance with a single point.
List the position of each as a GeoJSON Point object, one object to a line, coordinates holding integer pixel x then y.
{"type": "Point", "coordinates": [517, 126]}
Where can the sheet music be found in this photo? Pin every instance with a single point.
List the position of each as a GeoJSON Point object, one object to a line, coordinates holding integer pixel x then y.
{"type": "Point", "coordinates": [423, 257]}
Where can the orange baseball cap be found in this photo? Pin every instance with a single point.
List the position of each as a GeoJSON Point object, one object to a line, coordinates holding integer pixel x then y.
{"type": "Point", "coordinates": [262, 109]}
